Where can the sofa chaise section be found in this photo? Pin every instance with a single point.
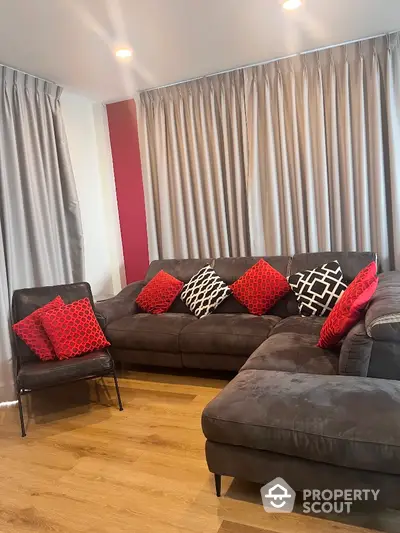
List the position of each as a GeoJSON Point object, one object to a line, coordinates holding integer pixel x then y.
{"type": "Point", "coordinates": [314, 431]}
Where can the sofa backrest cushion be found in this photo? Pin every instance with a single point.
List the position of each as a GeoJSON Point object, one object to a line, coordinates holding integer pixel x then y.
{"type": "Point", "coordinates": [230, 269]}
{"type": "Point", "coordinates": [351, 263]}
{"type": "Point", "coordinates": [182, 269]}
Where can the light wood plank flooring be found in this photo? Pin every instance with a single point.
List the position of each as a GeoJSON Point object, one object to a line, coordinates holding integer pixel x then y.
{"type": "Point", "coordinates": [86, 467]}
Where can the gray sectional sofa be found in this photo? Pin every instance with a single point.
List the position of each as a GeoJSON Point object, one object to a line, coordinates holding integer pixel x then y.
{"type": "Point", "coordinates": [318, 418]}
{"type": "Point", "coordinates": [314, 431]}
{"type": "Point", "coordinates": [231, 337]}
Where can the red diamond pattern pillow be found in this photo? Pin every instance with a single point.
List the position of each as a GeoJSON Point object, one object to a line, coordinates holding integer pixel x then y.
{"type": "Point", "coordinates": [158, 295]}
{"type": "Point", "coordinates": [73, 329]}
{"type": "Point", "coordinates": [260, 287]}
{"type": "Point", "coordinates": [347, 311]}
{"type": "Point", "coordinates": [31, 331]}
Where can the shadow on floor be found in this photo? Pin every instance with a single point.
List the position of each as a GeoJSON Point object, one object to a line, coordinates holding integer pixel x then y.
{"type": "Point", "coordinates": [172, 376]}
{"type": "Point", "coordinates": [48, 406]}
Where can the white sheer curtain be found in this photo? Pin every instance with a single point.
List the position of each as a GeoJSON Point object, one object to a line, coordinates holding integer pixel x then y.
{"type": "Point", "coordinates": [41, 240]}
{"type": "Point", "coordinates": [293, 156]}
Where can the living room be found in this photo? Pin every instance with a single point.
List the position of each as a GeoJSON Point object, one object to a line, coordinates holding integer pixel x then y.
{"type": "Point", "coordinates": [200, 286]}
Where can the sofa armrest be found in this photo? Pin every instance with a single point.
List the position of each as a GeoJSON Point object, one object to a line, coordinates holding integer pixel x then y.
{"type": "Point", "coordinates": [355, 353]}
{"type": "Point", "coordinates": [123, 304]}
{"type": "Point", "coordinates": [382, 320]}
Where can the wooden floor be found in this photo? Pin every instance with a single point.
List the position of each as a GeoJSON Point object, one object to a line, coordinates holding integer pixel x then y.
{"type": "Point", "coordinates": [86, 467]}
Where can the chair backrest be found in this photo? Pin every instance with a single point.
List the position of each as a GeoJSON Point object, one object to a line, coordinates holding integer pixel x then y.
{"type": "Point", "coordinates": [25, 301]}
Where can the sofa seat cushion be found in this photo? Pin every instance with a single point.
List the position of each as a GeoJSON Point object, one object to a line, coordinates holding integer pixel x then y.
{"type": "Point", "coordinates": [45, 374]}
{"type": "Point", "coordinates": [292, 347]}
{"type": "Point", "coordinates": [331, 419]}
{"type": "Point", "coordinates": [233, 334]}
{"type": "Point", "coordinates": [310, 325]}
{"type": "Point", "coordinates": [158, 333]}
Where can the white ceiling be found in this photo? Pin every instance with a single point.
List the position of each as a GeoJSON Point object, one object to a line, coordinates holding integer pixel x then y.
{"type": "Point", "coordinates": [72, 42]}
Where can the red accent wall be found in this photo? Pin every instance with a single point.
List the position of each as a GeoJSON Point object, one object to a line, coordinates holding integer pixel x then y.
{"type": "Point", "coordinates": [122, 122]}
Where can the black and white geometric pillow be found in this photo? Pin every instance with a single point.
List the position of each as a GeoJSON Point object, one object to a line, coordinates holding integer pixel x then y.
{"type": "Point", "coordinates": [204, 292]}
{"type": "Point", "coordinates": [318, 290]}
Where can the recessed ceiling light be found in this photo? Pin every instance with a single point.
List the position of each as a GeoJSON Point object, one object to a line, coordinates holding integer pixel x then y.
{"type": "Point", "coordinates": [291, 4]}
{"type": "Point", "coordinates": [123, 53]}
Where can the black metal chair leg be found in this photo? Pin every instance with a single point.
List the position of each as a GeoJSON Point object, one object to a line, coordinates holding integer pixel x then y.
{"type": "Point", "coordinates": [21, 415]}
{"type": "Point", "coordinates": [217, 478]}
{"type": "Point", "coordinates": [117, 389]}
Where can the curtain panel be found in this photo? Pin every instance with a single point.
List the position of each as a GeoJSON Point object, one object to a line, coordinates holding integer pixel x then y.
{"type": "Point", "coordinates": [41, 240]}
{"type": "Point", "coordinates": [194, 155]}
{"type": "Point", "coordinates": [296, 155]}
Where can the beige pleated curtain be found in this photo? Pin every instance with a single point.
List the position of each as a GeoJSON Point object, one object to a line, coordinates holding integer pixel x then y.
{"type": "Point", "coordinates": [297, 155]}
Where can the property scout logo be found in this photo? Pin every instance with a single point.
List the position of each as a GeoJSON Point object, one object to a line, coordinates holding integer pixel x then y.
{"type": "Point", "coordinates": [279, 497]}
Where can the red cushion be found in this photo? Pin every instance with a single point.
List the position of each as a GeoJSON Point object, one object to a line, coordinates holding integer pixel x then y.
{"type": "Point", "coordinates": [31, 331]}
{"type": "Point", "coordinates": [347, 311]}
{"type": "Point", "coordinates": [158, 295]}
{"type": "Point", "coordinates": [260, 287]}
{"type": "Point", "coordinates": [73, 329]}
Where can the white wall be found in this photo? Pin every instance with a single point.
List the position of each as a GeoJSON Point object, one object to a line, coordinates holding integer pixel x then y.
{"type": "Point", "coordinates": [89, 145]}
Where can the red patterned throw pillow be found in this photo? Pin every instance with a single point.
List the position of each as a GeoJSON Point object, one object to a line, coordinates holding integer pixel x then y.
{"type": "Point", "coordinates": [158, 295]}
{"type": "Point", "coordinates": [260, 287]}
{"type": "Point", "coordinates": [347, 311]}
{"type": "Point", "coordinates": [31, 331]}
{"type": "Point", "coordinates": [73, 329]}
